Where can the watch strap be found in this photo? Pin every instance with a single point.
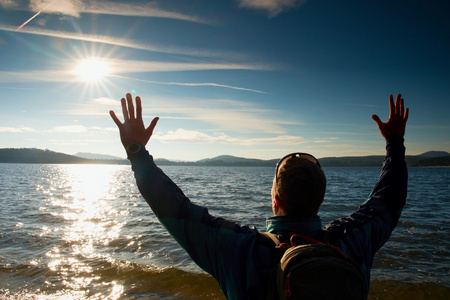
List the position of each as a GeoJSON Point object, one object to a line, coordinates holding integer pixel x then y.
{"type": "Point", "coordinates": [133, 148]}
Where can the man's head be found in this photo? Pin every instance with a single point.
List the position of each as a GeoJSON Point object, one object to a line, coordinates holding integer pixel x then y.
{"type": "Point", "coordinates": [298, 186]}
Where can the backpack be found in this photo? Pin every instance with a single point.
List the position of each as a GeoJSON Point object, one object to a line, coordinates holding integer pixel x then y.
{"type": "Point", "coordinates": [310, 269]}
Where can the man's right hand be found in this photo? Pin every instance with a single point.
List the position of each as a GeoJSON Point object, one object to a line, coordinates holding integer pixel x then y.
{"type": "Point", "coordinates": [397, 118]}
{"type": "Point", "coordinates": [132, 130]}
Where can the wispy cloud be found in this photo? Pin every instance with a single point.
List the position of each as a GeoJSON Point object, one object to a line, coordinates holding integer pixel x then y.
{"type": "Point", "coordinates": [144, 10]}
{"type": "Point", "coordinates": [223, 115]}
{"type": "Point", "coordinates": [106, 101]}
{"type": "Point", "coordinates": [77, 141]}
{"type": "Point", "coordinates": [37, 76]}
{"type": "Point", "coordinates": [118, 67]}
{"type": "Point", "coordinates": [8, 4]}
{"type": "Point", "coordinates": [16, 88]}
{"type": "Point", "coordinates": [109, 40]}
{"type": "Point", "coordinates": [193, 84]}
{"type": "Point", "coordinates": [65, 7]}
{"type": "Point", "coordinates": [72, 129]}
{"type": "Point", "coordinates": [75, 8]}
{"type": "Point", "coordinates": [138, 66]}
{"type": "Point", "coordinates": [183, 135]}
{"type": "Point", "coordinates": [78, 129]}
{"type": "Point", "coordinates": [67, 129]}
{"type": "Point", "coordinates": [17, 129]}
{"type": "Point", "coordinates": [38, 12]}
{"type": "Point", "coordinates": [272, 7]}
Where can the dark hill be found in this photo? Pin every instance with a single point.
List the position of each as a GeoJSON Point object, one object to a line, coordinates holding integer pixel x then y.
{"type": "Point", "coordinates": [443, 161]}
{"type": "Point", "coordinates": [96, 156]}
{"type": "Point", "coordinates": [228, 160]}
{"type": "Point", "coordinates": [434, 154]}
{"type": "Point", "coordinates": [352, 161]}
{"type": "Point", "coordinates": [38, 156]}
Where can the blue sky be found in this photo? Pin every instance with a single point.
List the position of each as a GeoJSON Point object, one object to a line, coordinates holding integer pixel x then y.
{"type": "Point", "coordinates": [251, 78]}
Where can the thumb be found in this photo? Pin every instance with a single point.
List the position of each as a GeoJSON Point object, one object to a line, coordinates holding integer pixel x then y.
{"type": "Point", "coordinates": [152, 126]}
{"type": "Point", "coordinates": [115, 118]}
{"type": "Point", "coordinates": [377, 120]}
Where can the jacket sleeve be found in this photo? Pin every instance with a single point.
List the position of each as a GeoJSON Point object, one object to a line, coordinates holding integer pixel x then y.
{"type": "Point", "coordinates": [218, 246]}
{"type": "Point", "coordinates": [365, 231]}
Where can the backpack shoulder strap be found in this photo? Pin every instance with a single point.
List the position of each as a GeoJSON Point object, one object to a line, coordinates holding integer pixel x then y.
{"type": "Point", "coordinates": [273, 237]}
{"type": "Point", "coordinates": [274, 241]}
{"type": "Point", "coordinates": [296, 239]}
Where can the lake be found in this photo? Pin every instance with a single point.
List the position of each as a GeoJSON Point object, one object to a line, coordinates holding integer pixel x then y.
{"type": "Point", "coordinates": [84, 231]}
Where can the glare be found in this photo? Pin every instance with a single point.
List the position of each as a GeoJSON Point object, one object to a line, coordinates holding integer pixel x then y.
{"type": "Point", "coordinates": [92, 70]}
{"type": "Point", "coordinates": [80, 196]}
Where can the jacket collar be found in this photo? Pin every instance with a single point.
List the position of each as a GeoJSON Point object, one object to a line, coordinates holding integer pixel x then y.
{"type": "Point", "coordinates": [285, 225]}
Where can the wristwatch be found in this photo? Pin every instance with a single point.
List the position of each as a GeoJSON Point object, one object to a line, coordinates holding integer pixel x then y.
{"type": "Point", "coordinates": [134, 148]}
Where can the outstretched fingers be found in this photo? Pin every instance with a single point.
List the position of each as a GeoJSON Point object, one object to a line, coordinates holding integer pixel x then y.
{"type": "Point", "coordinates": [405, 116]}
{"type": "Point", "coordinates": [392, 107]}
{"type": "Point", "coordinates": [127, 110]}
{"type": "Point", "coordinates": [115, 118]}
{"type": "Point", "coordinates": [399, 106]}
{"type": "Point", "coordinates": [401, 112]}
{"type": "Point", "coordinates": [126, 116]}
{"type": "Point", "coordinates": [377, 120]}
{"type": "Point", "coordinates": [398, 116]}
{"type": "Point", "coordinates": [404, 111]}
{"type": "Point", "coordinates": [132, 129]}
{"type": "Point", "coordinates": [402, 105]}
{"type": "Point", "coordinates": [130, 106]}
{"type": "Point", "coordinates": [138, 108]}
{"type": "Point", "coordinates": [152, 126]}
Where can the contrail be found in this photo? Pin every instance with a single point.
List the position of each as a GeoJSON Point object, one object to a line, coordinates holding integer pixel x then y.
{"type": "Point", "coordinates": [20, 27]}
{"type": "Point", "coordinates": [190, 84]}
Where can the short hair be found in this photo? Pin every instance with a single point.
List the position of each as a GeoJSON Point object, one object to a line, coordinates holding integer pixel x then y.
{"type": "Point", "coordinates": [300, 187]}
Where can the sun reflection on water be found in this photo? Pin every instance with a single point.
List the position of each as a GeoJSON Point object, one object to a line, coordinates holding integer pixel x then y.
{"type": "Point", "coordinates": [79, 196]}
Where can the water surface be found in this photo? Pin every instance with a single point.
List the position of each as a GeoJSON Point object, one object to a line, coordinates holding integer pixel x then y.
{"type": "Point", "coordinates": [84, 231]}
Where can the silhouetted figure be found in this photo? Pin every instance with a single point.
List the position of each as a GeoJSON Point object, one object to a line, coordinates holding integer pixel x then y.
{"type": "Point", "coordinates": [239, 257]}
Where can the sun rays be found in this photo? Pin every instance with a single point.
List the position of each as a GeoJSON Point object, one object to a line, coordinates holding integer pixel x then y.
{"type": "Point", "coordinates": [92, 70]}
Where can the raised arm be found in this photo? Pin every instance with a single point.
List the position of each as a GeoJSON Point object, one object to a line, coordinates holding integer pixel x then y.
{"type": "Point", "coordinates": [397, 118]}
{"type": "Point", "coordinates": [212, 242]}
{"type": "Point", "coordinates": [365, 231]}
{"type": "Point", "coordinates": [132, 130]}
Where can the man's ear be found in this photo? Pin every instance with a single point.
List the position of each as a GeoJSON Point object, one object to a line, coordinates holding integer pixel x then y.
{"type": "Point", "coordinates": [276, 205]}
{"type": "Point", "coordinates": [276, 202]}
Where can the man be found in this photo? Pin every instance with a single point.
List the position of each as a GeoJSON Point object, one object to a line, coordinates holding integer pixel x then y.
{"type": "Point", "coordinates": [238, 257]}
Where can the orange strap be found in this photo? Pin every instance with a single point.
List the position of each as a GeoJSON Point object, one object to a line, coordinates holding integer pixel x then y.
{"type": "Point", "coordinates": [313, 241]}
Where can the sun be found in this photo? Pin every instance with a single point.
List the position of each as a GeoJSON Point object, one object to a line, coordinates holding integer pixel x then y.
{"type": "Point", "coordinates": [92, 70]}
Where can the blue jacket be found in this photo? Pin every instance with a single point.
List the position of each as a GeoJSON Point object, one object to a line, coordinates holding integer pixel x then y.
{"type": "Point", "coordinates": [238, 257]}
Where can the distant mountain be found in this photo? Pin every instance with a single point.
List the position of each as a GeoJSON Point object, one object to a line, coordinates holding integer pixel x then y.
{"type": "Point", "coordinates": [96, 156]}
{"type": "Point", "coordinates": [352, 161]}
{"type": "Point", "coordinates": [228, 160]}
{"type": "Point", "coordinates": [38, 156]}
{"type": "Point", "coordinates": [431, 158]}
{"type": "Point", "coordinates": [33, 155]}
{"type": "Point", "coordinates": [442, 161]}
{"type": "Point", "coordinates": [434, 154]}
